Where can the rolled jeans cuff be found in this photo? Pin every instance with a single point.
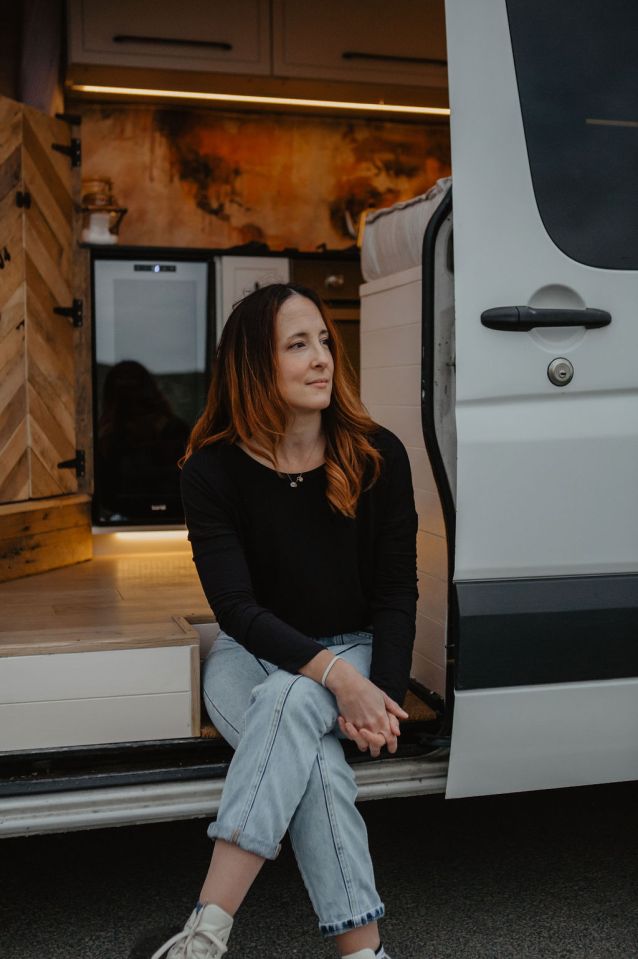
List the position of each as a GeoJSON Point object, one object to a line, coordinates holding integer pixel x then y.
{"type": "Point", "coordinates": [353, 922]}
{"type": "Point", "coordinates": [239, 837]}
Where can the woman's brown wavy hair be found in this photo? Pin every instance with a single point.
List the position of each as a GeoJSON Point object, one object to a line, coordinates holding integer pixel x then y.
{"type": "Point", "coordinates": [244, 402]}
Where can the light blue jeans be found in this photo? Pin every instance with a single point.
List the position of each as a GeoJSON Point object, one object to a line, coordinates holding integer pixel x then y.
{"type": "Point", "coordinates": [289, 772]}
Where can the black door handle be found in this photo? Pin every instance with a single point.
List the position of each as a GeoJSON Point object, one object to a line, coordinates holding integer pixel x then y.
{"type": "Point", "coordinates": [526, 318]}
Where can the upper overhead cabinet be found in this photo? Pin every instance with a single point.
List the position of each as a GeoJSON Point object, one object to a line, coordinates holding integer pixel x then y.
{"type": "Point", "coordinates": [361, 40]}
{"type": "Point", "coordinates": [215, 36]}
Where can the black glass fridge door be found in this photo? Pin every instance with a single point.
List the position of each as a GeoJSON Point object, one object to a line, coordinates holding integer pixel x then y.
{"type": "Point", "coordinates": [150, 378]}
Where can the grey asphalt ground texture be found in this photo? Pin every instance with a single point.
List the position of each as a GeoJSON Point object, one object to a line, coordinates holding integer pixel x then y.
{"type": "Point", "coordinates": [549, 875]}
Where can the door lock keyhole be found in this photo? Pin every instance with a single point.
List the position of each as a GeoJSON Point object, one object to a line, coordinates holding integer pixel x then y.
{"type": "Point", "coordinates": [560, 371]}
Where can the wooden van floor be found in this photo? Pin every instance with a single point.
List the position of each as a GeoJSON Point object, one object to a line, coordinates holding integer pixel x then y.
{"type": "Point", "coordinates": [118, 600]}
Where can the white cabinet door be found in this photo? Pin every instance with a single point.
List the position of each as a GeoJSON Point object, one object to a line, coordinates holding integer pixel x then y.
{"type": "Point", "coordinates": [216, 35]}
{"type": "Point", "coordinates": [361, 40]}
{"type": "Point", "coordinates": [237, 276]}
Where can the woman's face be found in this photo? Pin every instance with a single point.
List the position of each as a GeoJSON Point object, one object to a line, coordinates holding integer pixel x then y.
{"type": "Point", "coordinates": [304, 360]}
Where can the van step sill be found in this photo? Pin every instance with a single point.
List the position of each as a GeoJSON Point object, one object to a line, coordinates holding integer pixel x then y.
{"type": "Point", "coordinates": [160, 802]}
{"type": "Point", "coordinates": [59, 773]}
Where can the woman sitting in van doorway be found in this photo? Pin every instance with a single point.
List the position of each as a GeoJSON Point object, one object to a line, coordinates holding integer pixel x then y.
{"type": "Point", "coordinates": [301, 517]}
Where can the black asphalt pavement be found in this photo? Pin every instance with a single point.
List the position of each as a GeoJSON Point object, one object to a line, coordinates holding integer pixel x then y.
{"type": "Point", "coordinates": [550, 875]}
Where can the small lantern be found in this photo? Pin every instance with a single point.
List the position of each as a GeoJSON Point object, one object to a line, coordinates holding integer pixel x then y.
{"type": "Point", "coordinates": [101, 216]}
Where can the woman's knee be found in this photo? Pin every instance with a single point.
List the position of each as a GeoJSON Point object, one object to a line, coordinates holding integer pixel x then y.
{"type": "Point", "coordinates": [229, 675]}
{"type": "Point", "coordinates": [297, 698]}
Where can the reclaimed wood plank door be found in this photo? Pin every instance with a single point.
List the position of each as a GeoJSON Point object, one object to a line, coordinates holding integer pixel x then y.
{"type": "Point", "coordinates": [14, 443]}
{"type": "Point", "coordinates": [37, 365]}
{"type": "Point", "coordinates": [45, 520]}
{"type": "Point", "coordinates": [48, 225]}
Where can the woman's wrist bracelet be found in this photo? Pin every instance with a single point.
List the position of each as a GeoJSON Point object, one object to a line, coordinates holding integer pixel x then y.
{"type": "Point", "coordinates": [327, 670]}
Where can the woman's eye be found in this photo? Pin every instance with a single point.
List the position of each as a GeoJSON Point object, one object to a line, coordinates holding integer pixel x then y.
{"type": "Point", "coordinates": [300, 343]}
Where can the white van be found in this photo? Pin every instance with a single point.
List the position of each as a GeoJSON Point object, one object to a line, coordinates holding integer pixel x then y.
{"type": "Point", "coordinates": [507, 362]}
{"type": "Point", "coordinates": [523, 317]}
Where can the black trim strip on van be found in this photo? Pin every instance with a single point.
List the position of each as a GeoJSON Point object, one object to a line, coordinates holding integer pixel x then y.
{"type": "Point", "coordinates": [439, 472]}
{"type": "Point", "coordinates": [560, 630]}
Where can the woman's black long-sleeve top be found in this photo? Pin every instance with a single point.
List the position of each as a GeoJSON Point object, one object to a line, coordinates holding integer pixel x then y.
{"type": "Point", "coordinates": [280, 568]}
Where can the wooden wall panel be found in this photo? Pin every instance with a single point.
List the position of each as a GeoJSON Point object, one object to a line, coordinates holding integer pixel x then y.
{"type": "Point", "coordinates": [10, 129]}
{"type": "Point", "coordinates": [44, 534]}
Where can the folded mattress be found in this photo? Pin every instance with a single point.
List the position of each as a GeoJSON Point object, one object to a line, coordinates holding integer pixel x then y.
{"type": "Point", "coordinates": [393, 236]}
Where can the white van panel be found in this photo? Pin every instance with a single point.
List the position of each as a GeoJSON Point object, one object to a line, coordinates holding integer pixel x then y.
{"type": "Point", "coordinates": [554, 735]}
{"type": "Point", "coordinates": [547, 476]}
{"type": "Point", "coordinates": [553, 506]}
{"type": "Point", "coordinates": [527, 494]}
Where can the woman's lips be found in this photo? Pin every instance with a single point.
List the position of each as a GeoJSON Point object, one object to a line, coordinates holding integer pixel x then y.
{"type": "Point", "coordinates": [320, 383]}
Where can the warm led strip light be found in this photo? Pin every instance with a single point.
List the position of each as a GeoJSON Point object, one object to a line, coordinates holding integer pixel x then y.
{"type": "Point", "coordinates": [145, 536]}
{"type": "Point", "coordinates": [266, 101]}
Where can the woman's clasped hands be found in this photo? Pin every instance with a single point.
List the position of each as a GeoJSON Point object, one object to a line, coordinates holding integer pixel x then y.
{"type": "Point", "coordinates": [367, 715]}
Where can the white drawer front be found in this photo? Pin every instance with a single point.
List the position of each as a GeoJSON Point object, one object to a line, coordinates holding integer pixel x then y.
{"type": "Point", "coordinates": [65, 676]}
{"type": "Point", "coordinates": [84, 722]}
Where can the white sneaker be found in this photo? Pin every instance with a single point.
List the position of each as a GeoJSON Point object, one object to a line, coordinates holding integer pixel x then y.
{"type": "Point", "coordinates": [367, 954]}
{"type": "Point", "coordinates": [203, 937]}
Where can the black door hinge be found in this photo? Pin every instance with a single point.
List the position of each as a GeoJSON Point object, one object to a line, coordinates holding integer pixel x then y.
{"type": "Point", "coordinates": [76, 312]}
{"type": "Point", "coordinates": [78, 464]}
{"type": "Point", "coordinates": [74, 150]}
{"type": "Point", "coordinates": [23, 199]}
{"type": "Point", "coordinates": [73, 119]}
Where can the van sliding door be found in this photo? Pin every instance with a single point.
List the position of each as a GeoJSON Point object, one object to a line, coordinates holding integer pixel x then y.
{"type": "Point", "coordinates": [545, 160]}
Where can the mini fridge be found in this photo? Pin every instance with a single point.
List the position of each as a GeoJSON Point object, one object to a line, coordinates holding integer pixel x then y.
{"type": "Point", "coordinates": [153, 340]}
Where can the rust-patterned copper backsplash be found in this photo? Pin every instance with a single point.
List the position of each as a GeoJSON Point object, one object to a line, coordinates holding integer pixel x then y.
{"type": "Point", "coordinates": [203, 178]}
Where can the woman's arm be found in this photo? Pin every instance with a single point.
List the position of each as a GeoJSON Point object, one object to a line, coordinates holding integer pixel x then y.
{"type": "Point", "coordinates": [371, 709]}
{"type": "Point", "coordinates": [393, 603]}
{"type": "Point", "coordinates": [395, 577]}
{"type": "Point", "coordinates": [366, 714]}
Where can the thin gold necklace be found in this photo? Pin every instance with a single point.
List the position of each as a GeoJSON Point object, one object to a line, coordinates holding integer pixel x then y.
{"type": "Point", "coordinates": [299, 477]}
